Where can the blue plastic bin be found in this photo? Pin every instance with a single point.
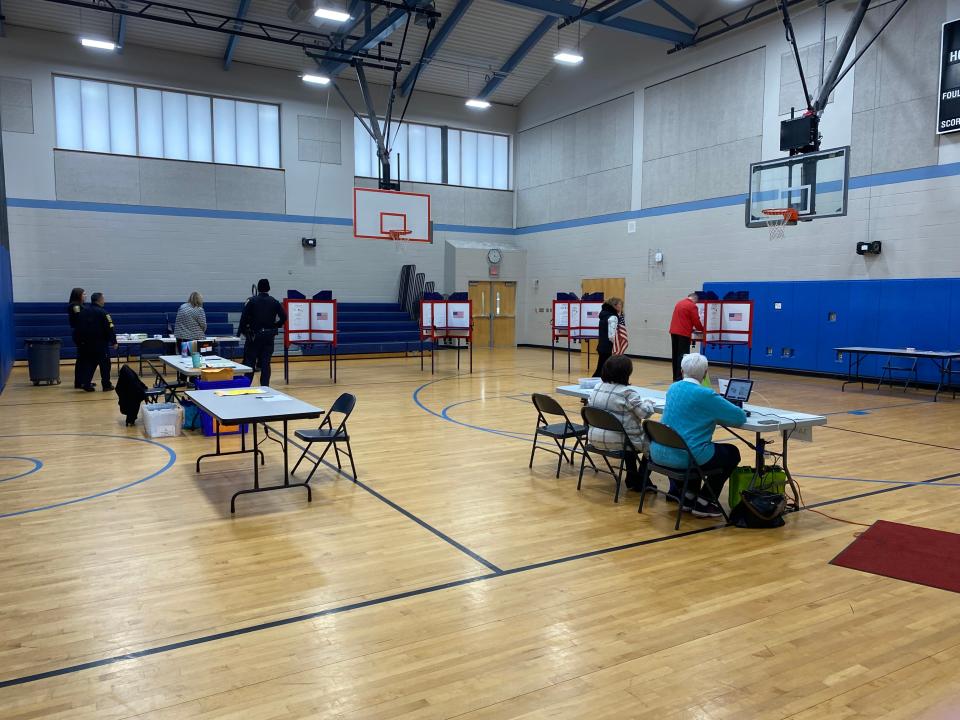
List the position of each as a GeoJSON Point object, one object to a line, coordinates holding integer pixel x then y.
{"type": "Point", "coordinates": [206, 422]}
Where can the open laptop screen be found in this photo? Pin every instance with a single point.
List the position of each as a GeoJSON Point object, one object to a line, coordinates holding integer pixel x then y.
{"type": "Point", "coordinates": [738, 390]}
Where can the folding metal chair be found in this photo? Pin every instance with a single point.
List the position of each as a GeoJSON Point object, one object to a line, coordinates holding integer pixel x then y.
{"type": "Point", "coordinates": [668, 437]}
{"type": "Point", "coordinates": [151, 349]}
{"type": "Point", "coordinates": [169, 390]}
{"type": "Point", "coordinates": [326, 433]}
{"type": "Point", "coordinates": [559, 432]}
{"type": "Point", "coordinates": [603, 420]}
{"type": "Point", "coordinates": [892, 368]}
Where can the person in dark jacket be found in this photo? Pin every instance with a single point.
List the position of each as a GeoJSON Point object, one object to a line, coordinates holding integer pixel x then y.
{"type": "Point", "coordinates": [74, 307]}
{"type": "Point", "coordinates": [95, 336]}
{"type": "Point", "coordinates": [607, 331]}
{"type": "Point", "coordinates": [262, 317]}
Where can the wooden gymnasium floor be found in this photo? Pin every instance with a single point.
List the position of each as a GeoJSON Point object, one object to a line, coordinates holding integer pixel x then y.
{"type": "Point", "coordinates": [455, 582]}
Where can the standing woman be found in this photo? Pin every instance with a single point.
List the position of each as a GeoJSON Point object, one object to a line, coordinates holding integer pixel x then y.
{"type": "Point", "coordinates": [74, 307]}
{"type": "Point", "coordinates": [607, 331]}
{"type": "Point", "coordinates": [191, 321]}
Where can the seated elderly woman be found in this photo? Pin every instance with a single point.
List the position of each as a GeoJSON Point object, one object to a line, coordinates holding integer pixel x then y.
{"type": "Point", "coordinates": [694, 411]}
{"type": "Point", "coordinates": [615, 396]}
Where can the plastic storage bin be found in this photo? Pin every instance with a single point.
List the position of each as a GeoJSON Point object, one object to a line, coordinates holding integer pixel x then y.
{"type": "Point", "coordinates": [43, 359]}
{"type": "Point", "coordinates": [161, 419]}
{"type": "Point", "coordinates": [207, 422]}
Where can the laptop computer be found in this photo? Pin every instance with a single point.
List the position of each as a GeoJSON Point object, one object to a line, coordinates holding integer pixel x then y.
{"type": "Point", "coordinates": [738, 390]}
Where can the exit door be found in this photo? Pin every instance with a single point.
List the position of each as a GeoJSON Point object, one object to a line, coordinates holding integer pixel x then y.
{"type": "Point", "coordinates": [494, 313]}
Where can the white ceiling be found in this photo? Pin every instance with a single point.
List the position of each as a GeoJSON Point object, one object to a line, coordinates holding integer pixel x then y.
{"type": "Point", "coordinates": [487, 35]}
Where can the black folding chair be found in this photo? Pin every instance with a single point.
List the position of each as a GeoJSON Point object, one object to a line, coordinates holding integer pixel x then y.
{"type": "Point", "coordinates": [326, 433]}
{"type": "Point", "coordinates": [668, 437]}
{"type": "Point", "coordinates": [892, 368]}
{"type": "Point", "coordinates": [603, 420]}
{"type": "Point", "coordinates": [559, 432]}
{"type": "Point", "coordinates": [151, 349]}
{"type": "Point", "coordinates": [161, 386]}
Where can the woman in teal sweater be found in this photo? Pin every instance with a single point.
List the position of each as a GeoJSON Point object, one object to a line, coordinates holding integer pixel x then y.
{"type": "Point", "coordinates": [694, 411]}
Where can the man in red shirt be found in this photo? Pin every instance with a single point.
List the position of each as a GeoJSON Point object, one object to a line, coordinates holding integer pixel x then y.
{"type": "Point", "coordinates": [685, 320]}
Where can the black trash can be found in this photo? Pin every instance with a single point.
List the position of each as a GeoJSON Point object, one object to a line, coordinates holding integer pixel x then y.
{"type": "Point", "coordinates": [43, 360]}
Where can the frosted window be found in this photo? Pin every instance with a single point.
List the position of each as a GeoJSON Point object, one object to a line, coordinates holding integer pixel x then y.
{"type": "Point", "coordinates": [501, 162]}
{"type": "Point", "coordinates": [417, 147]}
{"type": "Point", "coordinates": [69, 115]}
{"type": "Point", "coordinates": [269, 126]}
{"type": "Point", "coordinates": [175, 126]}
{"type": "Point", "coordinates": [128, 120]}
{"type": "Point", "coordinates": [224, 131]}
{"type": "Point", "coordinates": [361, 150]}
{"type": "Point", "coordinates": [453, 157]}
{"type": "Point", "coordinates": [484, 160]}
{"type": "Point", "coordinates": [123, 120]}
{"type": "Point", "coordinates": [199, 130]}
{"type": "Point", "coordinates": [248, 134]}
{"type": "Point", "coordinates": [150, 122]}
{"type": "Point", "coordinates": [434, 155]}
{"type": "Point", "coordinates": [96, 116]}
{"type": "Point", "coordinates": [468, 158]}
{"type": "Point", "coordinates": [398, 155]}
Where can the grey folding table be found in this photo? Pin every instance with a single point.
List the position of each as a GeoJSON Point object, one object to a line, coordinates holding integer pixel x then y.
{"type": "Point", "coordinates": [762, 420]}
{"type": "Point", "coordinates": [238, 409]}
{"type": "Point", "coordinates": [943, 360]}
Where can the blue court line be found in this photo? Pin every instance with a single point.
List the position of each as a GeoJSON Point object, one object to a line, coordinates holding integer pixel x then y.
{"type": "Point", "coordinates": [37, 464]}
{"type": "Point", "coordinates": [881, 491]}
{"type": "Point", "coordinates": [879, 407]}
{"type": "Point", "coordinates": [903, 483]}
{"type": "Point", "coordinates": [416, 399]}
{"type": "Point", "coordinates": [171, 459]}
{"type": "Point", "coordinates": [403, 511]}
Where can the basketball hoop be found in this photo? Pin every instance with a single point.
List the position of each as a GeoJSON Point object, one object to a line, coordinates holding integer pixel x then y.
{"type": "Point", "coordinates": [399, 237]}
{"type": "Point", "coordinates": [778, 218]}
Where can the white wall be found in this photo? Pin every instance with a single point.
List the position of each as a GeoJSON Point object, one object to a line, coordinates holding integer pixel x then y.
{"type": "Point", "coordinates": [156, 257]}
{"type": "Point", "coordinates": [913, 219]}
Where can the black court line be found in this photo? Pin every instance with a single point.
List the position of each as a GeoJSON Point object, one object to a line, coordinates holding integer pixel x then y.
{"type": "Point", "coordinates": [403, 511]}
{"type": "Point", "coordinates": [404, 595]}
{"type": "Point", "coordinates": [889, 437]}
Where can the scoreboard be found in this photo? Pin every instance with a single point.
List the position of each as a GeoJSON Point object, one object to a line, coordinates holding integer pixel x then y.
{"type": "Point", "coordinates": [948, 114]}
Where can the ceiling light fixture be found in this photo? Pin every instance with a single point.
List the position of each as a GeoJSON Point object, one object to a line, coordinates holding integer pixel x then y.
{"type": "Point", "coordinates": [568, 57]}
{"type": "Point", "coordinates": [477, 103]}
{"type": "Point", "coordinates": [98, 44]}
{"type": "Point", "coordinates": [315, 79]}
{"type": "Point", "coordinates": [330, 14]}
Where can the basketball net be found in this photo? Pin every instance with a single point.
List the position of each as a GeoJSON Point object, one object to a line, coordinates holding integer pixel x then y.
{"type": "Point", "coordinates": [399, 238]}
{"type": "Point", "coordinates": [778, 218]}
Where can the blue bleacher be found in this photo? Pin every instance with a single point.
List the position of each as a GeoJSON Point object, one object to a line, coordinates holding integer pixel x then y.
{"type": "Point", "coordinates": [364, 328]}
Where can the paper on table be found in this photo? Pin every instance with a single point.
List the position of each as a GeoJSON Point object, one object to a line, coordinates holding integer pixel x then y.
{"type": "Point", "coordinates": [273, 398]}
{"type": "Point", "coordinates": [239, 391]}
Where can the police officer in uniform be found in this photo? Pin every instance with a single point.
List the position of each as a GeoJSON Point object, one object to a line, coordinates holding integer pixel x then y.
{"type": "Point", "coordinates": [95, 336]}
{"type": "Point", "coordinates": [74, 307]}
{"type": "Point", "coordinates": [262, 316]}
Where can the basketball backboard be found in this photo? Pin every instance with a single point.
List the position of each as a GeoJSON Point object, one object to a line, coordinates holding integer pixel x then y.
{"type": "Point", "coordinates": [814, 184]}
{"type": "Point", "coordinates": [378, 212]}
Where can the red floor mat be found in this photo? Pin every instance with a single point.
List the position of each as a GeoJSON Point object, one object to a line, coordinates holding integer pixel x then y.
{"type": "Point", "coordinates": [905, 552]}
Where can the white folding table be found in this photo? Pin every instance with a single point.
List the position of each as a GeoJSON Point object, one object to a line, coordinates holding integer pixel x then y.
{"type": "Point", "coordinates": [239, 409]}
{"type": "Point", "coordinates": [761, 421]}
{"type": "Point", "coordinates": [184, 365]}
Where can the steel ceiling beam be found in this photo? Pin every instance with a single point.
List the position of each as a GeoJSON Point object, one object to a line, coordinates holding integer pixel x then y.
{"type": "Point", "coordinates": [233, 39]}
{"type": "Point", "coordinates": [376, 35]}
{"type": "Point", "coordinates": [319, 44]}
{"type": "Point", "coordinates": [564, 9]}
{"type": "Point", "coordinates": [121, 33]}
{"type": "Point", "coordinates": [518, 55]}
{"type": "Point", "coordinates": [452, 19]}
{"type": "Point", "coordinates": [677, 14]}
{"type": "Point", "coordinates": [617, 9]}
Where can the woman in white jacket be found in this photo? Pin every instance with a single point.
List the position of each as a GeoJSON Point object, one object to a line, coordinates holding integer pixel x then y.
{"type": "Point", "coordinates": [616, 397]}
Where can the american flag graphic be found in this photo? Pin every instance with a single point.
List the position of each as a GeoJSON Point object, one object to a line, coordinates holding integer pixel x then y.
{"type": "Point", "coordinates": [620, 340]}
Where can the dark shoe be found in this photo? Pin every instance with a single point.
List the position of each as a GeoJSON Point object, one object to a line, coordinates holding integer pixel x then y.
{"type": "Point", "coordinates": [634, 482]}
{"type": "Point", "coordinates": [89, 388]}
{"type": "Point", "coordinates": [706, 509]}
{"type": "Point", "coordinates": [107, 388]}
{"type": "Point", "coordinates": [689, 502]}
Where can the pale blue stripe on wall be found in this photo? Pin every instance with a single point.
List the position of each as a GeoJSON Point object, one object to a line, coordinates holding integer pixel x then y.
{"type": "Point", "coordinates": [856, 183]}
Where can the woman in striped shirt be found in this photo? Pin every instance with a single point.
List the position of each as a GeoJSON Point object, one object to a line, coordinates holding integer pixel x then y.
{"type": "Point", "coordinates": [191, 321]}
